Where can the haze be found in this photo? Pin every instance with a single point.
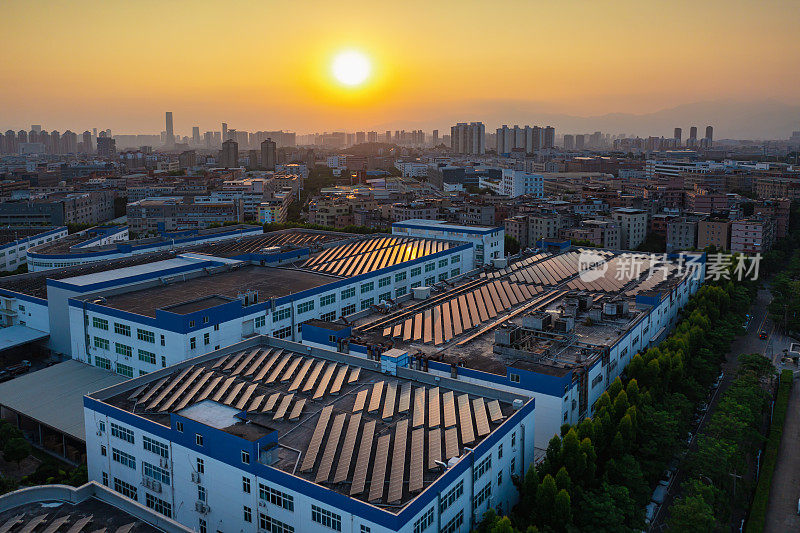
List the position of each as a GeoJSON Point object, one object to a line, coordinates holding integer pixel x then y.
{"type": "Point", "coordinates": [265, 65]}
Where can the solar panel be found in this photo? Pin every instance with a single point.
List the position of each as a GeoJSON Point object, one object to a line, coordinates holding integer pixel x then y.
{"type": "Point", "coordinates": [377, 485]}
{"type": "Point", "coordinates": [465, 420]}
{"type": "Point", "coordinates": [192, 379]}
{"type": "Point", "coordinates": [297, 409]}
{"type": "Point", "coordinates": [208, 390]}
{"type": "Point", "coordinates": [137, 392]}
{"type": "Point", "coordinates": [481, 421]}
{"type": "Point", "coordinates": [169, 388]}
{"type": "Point", "coordinates": [419, 406]}
{"type": "Point", "coordinates": [220, 361]}
{"type": "Point", "coordinates": [152, 391]}
{"type": "Point", "coordinates": [255, 403]}
{"type": "Point", "coordinates": [388, 404]}
{"type": "Point", "coordinates": [408, 327]}
{"type": "Point", "coordinates": [80, 524]}
{"type": "Point", "coordinates": [417, 327]}
{"type": "Point", "coordinates": [330, 448]}
{"type": "Point", "coordinates": [275, 372]}
{"type": "Point", "coordinates": [323, 383]}
{"type": "Point", "coordinates": [346, 456]}
{"type": "Point", "coordinates": [32, 524]}
{"type": "Point", "coordinates": [437, 325]}
{"type": "Point", "coordinates": [339, 380]}
{"type": "Point", "coordinates": [300, 376]}
{"type": "Point", "coordinates": [363, 460]}
{"type": "Point", "coordinates": [56, 524]}
{"type": "Point", "coordinates": [434, 448]}
{"type": "Point", "coordinates": [405, 397]}
{"type": "Point", "coordinates": [447, 324]}
{"type": "Point", "coordinates": [450, 443]}
{"type": "Point", "coordinates": [354, 374]}
{"type": "Point", "coordinates": [245, 361]}
{"type": "Point", "coordinates": [280, 412]}
{"type": "Point", "coordinates": [289, 372]}
{"type": "Point", "coordinates": [10, 523]}
{"type": "Point", "coordinates": [316, 439]}
{"type": "Point", "coordinates": [398, 461]}
{"type": "Point", "coordinates": [248, 392]}
{"type": "Point", "coordinates": [233, 361]}
{"type": "Point", "coordinates": [449, 409]}
{"type": "Point", "coordinates": [257, 362]}
{"type": "Point", "coordinates": [434, 409]}
{"type": "Point", "coordinates": [233, 393]}
{"type": "Point", "coordinates": [361, 400]}
{"type": "Point", "coordinates": [417, 464]}
{"type": "Point", "coordinates": [271, 401]}
{"type": "Point", "coordinates": [427, 327]}
{"type": "Point", "coordinates": [456, 317]}
{"type": "Point", "coordinates": [375, 397]}
{"type": "Point", "coordinates": [495, 413]}
{"type": "Point", "coordinates": [273, 356]}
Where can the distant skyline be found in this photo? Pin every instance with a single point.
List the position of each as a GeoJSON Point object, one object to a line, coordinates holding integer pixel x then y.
{"type": "Point", "coordinates": [259, 65]}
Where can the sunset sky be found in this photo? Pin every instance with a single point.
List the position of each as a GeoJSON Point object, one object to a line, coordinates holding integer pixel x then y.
{"type": "Point", "coordinates": [267, 65]}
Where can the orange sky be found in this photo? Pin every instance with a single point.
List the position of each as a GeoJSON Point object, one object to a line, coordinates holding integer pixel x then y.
{"type": "Point", "coordinates": [265, 64]}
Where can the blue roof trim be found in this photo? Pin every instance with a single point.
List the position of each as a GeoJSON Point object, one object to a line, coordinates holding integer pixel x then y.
{"type": "Point", "coordinates": [226, 448]}
{"type": "Point", "coordinates": [24, 240]}
{"type": "Point", "coordinates": [448, 227]}
{"type": "Point", "coordinates": [19, 296]}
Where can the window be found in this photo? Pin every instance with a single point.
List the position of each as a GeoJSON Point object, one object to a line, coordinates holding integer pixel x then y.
{"type": "Point", "coordinates": [206, 339]}
{"type": "Point", "coordinates": [159, 506]}
{"type": "Point", "coordinates": [124, 370]}
{"type": "Point", "coordinates": [624, 352]}
{"type": "Point", "coordinates": [202, 495]}
{"type": "Point", "coordinates": [126, 489]}
{"type": "Point", "coordinates": [328, 317]}
{"type": "Point", "coordinates": [499, 478]}
{"type": "Point", "coordinates": [365, 529]}
{"type": "Point", "coordinates": [201, 466]}
{"type": "Point", "coordinates": [163, 341]}
{"type": "Point", "coordinates": [103, 451]}
{"type": "Point", "coordinates": [430, 280]}
{"type": "Point", "coordinates": [198, 439]}
{"type": "Point", "coordinates": [500, 451]}
{"type": "Point", "coordinates": [276, 497]}
{"type": "Point", "coordinates": [424, 522]}
{"type": "Point", "coordinates": [155, 472]}
{"type": "Point", "coordinates": [484, 466]}
{"type": "Point", "coordinates": [123, 458]}
{"type": "Point", "coordinates": [455, 259]}
{"type": "Point", "coordinates": [348, 309]}
{"type": "Point", "coordinates": [430, 267]}
{"type": "Point", "coordinates": [123, 349]}
{"type": "Point", "coordinates": [122, 433]}
{"type": "Point", "coordinates": [384, 282]}
{"type": "Point", "coordinates": [282, 333]}
{"type": "Point", "coordinates": [326, 300]}
{"type": "Point", "coordinates": [281, 314]}
{"type": "Point", "coordinates": [400, 291]}
{"type": "Point", "coordinates": [367, 287]}
{"type": "Point", "coordinates": [179, 426]}
{"type": "Point", "coordinates": [385, 296]}
{"type": "Point", "coordinates": [101, 343]}
{"type": "Point", "coordinates": [455, 523]}
{"type": "Point", "coordinates": [442, 263]}
{"type": "Point", "coordinates": [193, 343]}
{"type": "Point", "coordinates": [482, 496]}
{"type": "Point", "coordinates": [366, 304]}
{"type": "Point", "coordinates": [514, 440]}
{"type": "Point", "coordinates": [205, 320]}
{"type": "Point", "coordinates": [216, 326]}
{"type": "Point", "coordinates": [248, 514]}
{"type": "Point", "coordinates": [122, 329]}
{"type": "Point", "coordinates": [147, 357]}
{"type": "Point", "coordinates": [597, 379]}
{"type": "Point", "coordinates": [246, 485]}
{"type": "Point", "coordinates": [105, 479]}
{"type": "Point", "coordinates": [246, 457]}
{"type": "Point", "coordinates": [164, 361]}
{"type": "Point", "coordinates": [348, 293]}
{"type": "Point", "coordinates": [191, 323]}
{"type": "Point", "coordinates": [443, 276]}
{"type": "Point", "coordinates": [102, 362]}
{"type": "Point", "coordinates": [100, 323]}
{"type": "Point", "coordinates": [158, 448]}
{"type": "Point", "coordinates": [513, 465]}
{"type": "Point", "coordinates": [451, 496]}
{"type": "Point", "coordinates": [273, 526]}
{"type": "Point", "coordinates": [304, 307]}
{"type": "Point", "coordinates": [416, 271]}
{"type": "Point", "coordinates": [203, 527]}
{"type": "Point", "coordinates": [400, 276]}
{"type": "Point", "coordinates": [146, 336]}
{"type": "Point", "coordinates": [326, 518]}
{"type": "Point", "coordinates": [513, 378]}
{"type": "Point", "coordinates": [455, 272]}
{"type": "Point", "coordinates": [102, 426]}
{"type": "Point", "coordinates": [260, 322]}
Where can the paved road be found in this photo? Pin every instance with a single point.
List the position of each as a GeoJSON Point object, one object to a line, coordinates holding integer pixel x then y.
{"type": "Point", "coordinates": [785, 492]}
{"type": "Point", "coordinates": [748, 343]}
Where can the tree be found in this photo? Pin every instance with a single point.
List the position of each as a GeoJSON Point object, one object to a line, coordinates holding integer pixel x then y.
{"type": "Point", "coordinates": [563, 509]}
{"type": "Point", "coordinates": [546, 497]}
{"type": "Point", "coordinates": [16, 450]}
{"type": "Point", "coordinates": [691, 514]}
{"type": "Point", "coordinates": [512, 245]}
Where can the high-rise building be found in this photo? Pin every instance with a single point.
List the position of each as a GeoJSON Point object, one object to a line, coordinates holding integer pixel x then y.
{"type": "Point", "coordinates": [549, 137]}
{"type": "Point", "coordinates": [372, 136]}
{"type": "Point", "coordinates": [677, 136]}
{"type": "Point", "coordinates": [106, 146]}
{"type": "Point", "coordinates": [170, 133]}
{"type": "Point", "coordinates": [36, 127]}
{"type": "Point", "coordinates": [87, 142]}
{"type": "Point", "coordinates": [268, 154]}
{"type": "Point", "coordinates": [69, 142]}
{"type": "Point", "coordinates": [196, 135]}
{"type": "Point", "coordinates": [229, 157]}
{"type": "Point", "coordinates": [435, 137]}
{"type": "Point", "coordinates": [693, 132]}
{"type": "Point", "coordinates": [208, 138]}
{"type": "Point", "coordinates": [569, 142]}
{"type": "Point", "coordinates": [224, 131]}
{"type": "Point", "coordinates": [387, 138]}
{"type": "Point", "coordinates": [709, 136]}
{"type": "Point", "coordinates": [580, 142]}
{"type": "Point", "coordinates": [361, 137]}
{"type": "Point", "coordinates": [468, 138]}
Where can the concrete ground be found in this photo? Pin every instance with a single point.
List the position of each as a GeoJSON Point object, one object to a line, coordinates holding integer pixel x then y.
{"type": "Point", "coordinates": [782, 510]}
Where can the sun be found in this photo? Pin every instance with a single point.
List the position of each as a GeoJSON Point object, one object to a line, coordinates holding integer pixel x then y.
{"type": "Point", "coordinates": [351, 68]}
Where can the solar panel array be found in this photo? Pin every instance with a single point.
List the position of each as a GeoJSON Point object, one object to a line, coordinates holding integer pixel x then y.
{"type": "Point", "coordinates": [368, 255]}
{"type": "Point", "coordinates": [255, 244]}
{"type": "Point", "coordinates": [385, 461]}
{"type": "Point", "coordinates": [549, 272]}
{"type": "Point", "coordinates": [74, 521]}
{"type": "Point", "coordinates": [441, 323]}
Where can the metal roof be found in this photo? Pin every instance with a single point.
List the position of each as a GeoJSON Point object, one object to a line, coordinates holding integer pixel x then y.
{"type": "Point", "coordinates": [13, 336]}
{"type": "Point", "coordinates": [54, 395]}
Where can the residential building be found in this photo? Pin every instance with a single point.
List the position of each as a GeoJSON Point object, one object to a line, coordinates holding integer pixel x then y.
{"type": "Point", "coordinates": [599, 232]}
{"type": "Point", "coordinates": [682, 234]}
{"type": "Point", "coordinates": [714, 232]}
{"type": "Point", "coordinates": [632, 226]}
{"type": "Point", "coordinates": [157, 215]}
{"type": "Point", "coordinates": [468, 138]}
{"type": "Point", "coordinates": [517, 183]}
{"type": "Point", "coordinates": [752, 235]}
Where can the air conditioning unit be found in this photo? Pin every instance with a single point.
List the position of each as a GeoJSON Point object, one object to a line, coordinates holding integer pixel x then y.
{"type": "Point", "coordinates": [155, 486]}
{"type": "Point", "coordinates": [195, 477]}
{"type": "Point", "coordinates": [201, 507]}
{"type": "Point", "coordinates": [262, 503]}
{"type": "Point", "coordinates": [146, 482]}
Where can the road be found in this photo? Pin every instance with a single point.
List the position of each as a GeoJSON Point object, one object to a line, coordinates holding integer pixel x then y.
{"type": "Point", "coordinates": [747, 343]}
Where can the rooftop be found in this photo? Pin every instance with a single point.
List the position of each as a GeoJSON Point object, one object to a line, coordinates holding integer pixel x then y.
{"type": "Point", "coordinates": [11, 234]}
{"type": "Point", "coordinates": [340, 422]}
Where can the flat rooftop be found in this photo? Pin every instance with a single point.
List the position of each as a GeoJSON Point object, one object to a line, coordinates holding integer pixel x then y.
{"type": "Point", "coordinates": [9, 235]}
{"type": "Point", "coordinates": [210, 290]}
{"type": "Point", "coordinates": [353, 425]}
{"type": "Point", "coordinates": [256, 244]}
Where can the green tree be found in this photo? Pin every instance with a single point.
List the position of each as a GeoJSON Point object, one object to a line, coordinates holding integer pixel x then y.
{"type": "Point", "coordinates": [691, 514]}
{"type": "Point", "coordinates": [16, 450]}
{"type": "Point", "coordinates": [563, 509]}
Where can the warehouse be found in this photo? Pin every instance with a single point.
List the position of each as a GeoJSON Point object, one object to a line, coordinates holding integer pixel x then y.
{"type": "Point", "coordinates": [273, 435]}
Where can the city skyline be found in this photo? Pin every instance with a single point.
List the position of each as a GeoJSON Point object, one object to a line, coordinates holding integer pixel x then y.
{"type": "Point", "coordinates": [115, 73]}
